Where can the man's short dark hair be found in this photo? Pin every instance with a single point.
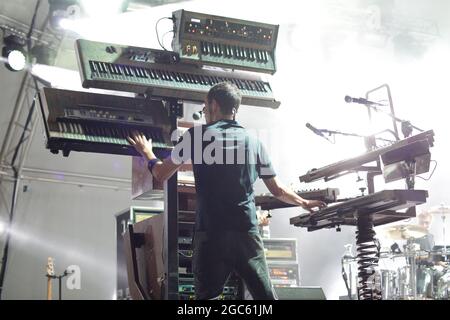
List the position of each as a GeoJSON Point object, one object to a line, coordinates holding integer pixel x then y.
{"type": "Point", "coordinates": [227, 96]}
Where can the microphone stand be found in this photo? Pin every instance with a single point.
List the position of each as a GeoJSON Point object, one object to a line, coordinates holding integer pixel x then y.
{"type": "Point", "coordinates": [406, 125]}
{"type": "Point", "coordinates": [66, 273]}
{"type": "Point", "coordinates": [344, 276]}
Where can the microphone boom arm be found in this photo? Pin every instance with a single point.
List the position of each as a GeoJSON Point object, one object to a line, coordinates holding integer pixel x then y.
{"type": "Point", "coordinates": [330, 132]}
{"type": "Point", "coordinates": [395, 119]}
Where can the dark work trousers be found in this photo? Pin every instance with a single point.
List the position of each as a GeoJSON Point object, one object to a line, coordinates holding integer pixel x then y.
{"type": "Point", "coordinates": [217, 254]}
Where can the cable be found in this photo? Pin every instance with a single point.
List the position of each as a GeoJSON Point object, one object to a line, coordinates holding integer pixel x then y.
{"type": "Point", "coordinates": [156, 29]}
{"type": "Point", "coordinates": [165, 34]}
{"type": "Point", "coordinates": [432, 172]}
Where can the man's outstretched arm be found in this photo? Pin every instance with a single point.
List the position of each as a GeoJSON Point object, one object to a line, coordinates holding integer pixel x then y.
{"type": "Point", "coordinates": [285, 194]}
{"type": "Point", "coordinates": [161, 170]}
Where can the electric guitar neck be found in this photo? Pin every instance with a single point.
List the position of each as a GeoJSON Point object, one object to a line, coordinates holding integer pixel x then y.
{"type": "Point", "coordinates": [50, 274]}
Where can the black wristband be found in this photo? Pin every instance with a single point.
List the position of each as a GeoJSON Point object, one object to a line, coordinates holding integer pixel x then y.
{"type": "Point", "coordinates": [151, 164]}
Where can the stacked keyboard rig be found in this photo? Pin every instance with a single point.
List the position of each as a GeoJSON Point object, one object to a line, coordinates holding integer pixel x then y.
{"type": "Point", "coordinates": [206, 50]}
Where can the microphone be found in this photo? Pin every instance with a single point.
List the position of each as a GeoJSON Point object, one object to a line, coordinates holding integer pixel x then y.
{"type": "Point", "coordinates": [197, 115]}
{"type": "Point", "coordinates": [316, 131]}
{"type": "Point", "coordinates": [349, 99]}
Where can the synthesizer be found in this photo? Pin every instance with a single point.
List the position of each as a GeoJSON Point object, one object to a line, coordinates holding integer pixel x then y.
{"type": "Point", "coordinates": [403, 148]}
{"type": "Point", "coordinates": [159, 73]}
{"type": "Point", "coordinates": [205, 39]}
{"type": "Point", "coordinates": [382, 204]}
{"type": "Point", "coordinates": [269, 202]}
{"type": "Point", "coordinates": [90, 122]}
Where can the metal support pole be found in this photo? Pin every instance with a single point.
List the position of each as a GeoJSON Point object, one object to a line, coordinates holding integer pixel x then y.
{"type": "Point", "coordinates": [15, 195]}
{"type": "Point", "coordinates": [391, 105]}
{"type": "Point", "coordinates": [171, 211]}
{"type": "Point", "coordinates": [14, 118]}
{"type": "Point", "coordinates": [59, 287]}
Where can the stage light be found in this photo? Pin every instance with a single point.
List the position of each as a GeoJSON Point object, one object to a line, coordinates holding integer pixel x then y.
{"type": "Point", "coordinates": [63, 9]}
{"type": "Point", "coordinates": [96, 8]}
{"type": "Point", "coordinates": [14, 53]}
{"type": "Point", "coordinates": [64, 13]}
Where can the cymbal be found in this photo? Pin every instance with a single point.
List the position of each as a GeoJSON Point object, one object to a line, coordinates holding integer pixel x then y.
{"type": "Point", "coordinates": [405, 232]}
{"type": "Point", "coordinates": [440, 210]}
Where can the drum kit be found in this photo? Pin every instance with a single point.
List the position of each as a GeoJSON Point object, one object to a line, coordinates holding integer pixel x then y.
{"type": "Point", "coordinates": [412, 273]}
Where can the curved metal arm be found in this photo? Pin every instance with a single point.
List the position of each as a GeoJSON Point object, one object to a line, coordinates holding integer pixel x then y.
{"type": "Point", "coordinates": [395, 119]}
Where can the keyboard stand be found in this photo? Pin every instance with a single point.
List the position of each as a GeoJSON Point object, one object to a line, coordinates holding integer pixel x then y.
{"type": "Point", "coordinates": [365, 213]}
{"type": "Point", "coordinates": [171, 215]}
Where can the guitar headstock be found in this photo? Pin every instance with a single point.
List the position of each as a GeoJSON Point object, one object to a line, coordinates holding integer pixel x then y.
{"type": "Point", "coordinates": [50, 266]}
